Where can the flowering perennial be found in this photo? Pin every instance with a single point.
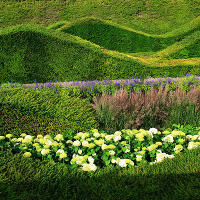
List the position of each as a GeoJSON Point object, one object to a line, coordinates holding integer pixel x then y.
{"type": "Point", "coordinates": [95, 149]}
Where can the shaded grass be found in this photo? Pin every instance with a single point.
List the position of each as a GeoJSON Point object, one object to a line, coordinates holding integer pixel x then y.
{"type": "Point", "coordinates": [23, 178]}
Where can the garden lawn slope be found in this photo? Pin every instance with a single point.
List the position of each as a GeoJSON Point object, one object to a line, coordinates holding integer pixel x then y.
{"type": "Point", "coordinates": [119, 38]}
{"type": "Point", "coordinates": [31, 52]}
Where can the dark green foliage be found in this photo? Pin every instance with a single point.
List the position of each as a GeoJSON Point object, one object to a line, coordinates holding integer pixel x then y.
{"type": "Point", "coordinates": [26, 178]}
{"type": "Point", "coordinates": [43, 111]}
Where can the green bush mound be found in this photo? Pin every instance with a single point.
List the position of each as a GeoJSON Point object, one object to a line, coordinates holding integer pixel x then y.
{"type": "Point", "coordinates": [29, 53]}
{"type": "Point", "coordinates": [115, 37]}
{"type": "Point", "coordinates": [43, 111]}
{"type": "Point", "coordinates": [28, 178]}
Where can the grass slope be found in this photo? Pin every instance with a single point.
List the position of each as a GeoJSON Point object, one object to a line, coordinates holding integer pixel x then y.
{"type": "Point", "coordinates": [119, 38]}
{"type": "Point", "coordinates": [28, 178]}
{"type": "Point", "coordinates": [30, 52]}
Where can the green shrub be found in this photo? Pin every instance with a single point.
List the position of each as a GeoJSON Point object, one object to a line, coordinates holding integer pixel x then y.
{"type": "Point", "coordinates": [43, 111]}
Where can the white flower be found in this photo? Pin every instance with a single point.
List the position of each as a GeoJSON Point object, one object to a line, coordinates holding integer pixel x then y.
{"type": "Point", "coordinates": [49, 142]}
{"type": "Point", "coordinates": [109, 137]}
{"type": "Point", "coordinates": [117, 138]}
{"type": "Point", "coordinates": [45, 151]}
{"type": "Point", "coordinates": [138, 158]}
{"type": "Point", "coordinates": [122, 163]}
{"type": "Point", "coordinates": [194, 137]}
{"type": "Point", "coordinates": [78, 162]}
{"type": "Point", "coordinates": [127, 150]}
{"type": "Point", "coordinates": [91, 159]}
{"type": "Point", "coordinates": [189, 137]}
{"type": "Point", "coordinates": [96, 134]}
{"type": "Point", "coordinates": [153, 131]}
{"type": "Point", "coordinates": [85, 143]}
{"type": "Point", "coordinates": [14, 140]}
{"type": "Point", "coordinates": [28, 137]}
{"type": "Point", "coordinates": [80, 151]}
{"type": "Point", "coordinates": [160, 156]}
{"type": "Point", "coordinates": [103, 146]}
{"type": "Point", "coordinates": [111, 152]}
{"type": "Point", "coordinates": [113, 161]}
{"type": "Point", "coordinates": [69, 142]}
{"type": "Point", "coordinates": [89, 167]}
{"type": "Point", "coordinates": [117, 133]}
{"type": "Point", "coordinates": [170, 156]}
{"type": "Point", "coordinates": [192, 145]}
{"type": "Point", "coordinates": [76, 143]}
{"type": "Point", "coordinates": [60, 151]}
{"type": "Point", "coordinates": [168, 138]}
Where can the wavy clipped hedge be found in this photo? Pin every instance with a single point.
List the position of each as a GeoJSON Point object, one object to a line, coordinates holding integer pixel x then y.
{"type": "Point", "coordinates": [29, 53]}
{"type": "Point", "coordinates": [43, 111]}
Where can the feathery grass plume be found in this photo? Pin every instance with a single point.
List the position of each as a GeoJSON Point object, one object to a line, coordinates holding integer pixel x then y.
{"type": "Point", "coordinates": [155, 108]}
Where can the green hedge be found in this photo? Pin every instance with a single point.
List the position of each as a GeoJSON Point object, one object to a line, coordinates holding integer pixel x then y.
{"type": "Point", "coordinates": [43, 111]}
{"type": "Point", "coordinates": [31, 53]}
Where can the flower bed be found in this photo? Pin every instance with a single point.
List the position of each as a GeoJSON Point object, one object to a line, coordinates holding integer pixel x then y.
{"type": "Point", "coordinates": [95, 149]}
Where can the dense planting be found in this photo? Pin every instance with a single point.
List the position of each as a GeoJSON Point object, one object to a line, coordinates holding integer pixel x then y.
{"type": "Point", "coordinates": [94, 139]}
{"type": "Point", "coordinates": [91, 149]}
{"type": "Point", "coordinates": [43, 111]}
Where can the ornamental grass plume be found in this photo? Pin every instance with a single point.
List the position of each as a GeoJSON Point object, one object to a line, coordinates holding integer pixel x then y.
{"type": "Point", "coordinates": [155, 108]}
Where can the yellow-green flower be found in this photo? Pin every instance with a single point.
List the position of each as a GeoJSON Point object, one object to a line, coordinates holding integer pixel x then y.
{"type": "Point", "coordinates": [94, 130]}
{"type": "Point", "coordinates": [27, 154]}
{"type": "Point", "coordinates": [59, 137]}
{"type": "Point", "coordinates": [103, 135]}
{"type": "Point", "coordinates": [9, 135]}
{"type": "Point", "coordinates": [45, 151]}
{"type": "Point", "coordinates": [19, 139]}
{"type": "Point", "coordinates": [99, 142]}
{"type": "Point", "coordinates": [128, 161]}
{"type": "Point", "coordinates": [140, 139]}
{"type": "Point", "coordinates": [26, 141]}
{"type": "Point", "coordinates": [123, 143]}
{"type": "Point", "coordinates": [166, 132]}
{"type": "Point", "coordinates": [177, 151]}
{"type": "Point", "coordinates": [138, 158]}
{"type": "Point", "coordinates": [38, 149]}
{"type": "Point", "coordinates": [36, 144]}
{"type": "Point", "coordinates": [91, 145]}
{"type": "Point", "coordinates": [14, 140]}
{"type": "Point", "coordinates": [142, 152]}
{"type": "Point", "coordinates": [23, 135]}
{"type": "Point", "coordinates": [63, 155]}
{"type": "Point", "coordinates": [152, 147]}
{"type": "Point", "coordinates": [118, 133]}
{"type": "Point", "coordinates": [178, 147]}
{"type": "Point", "coordinates": [55, 144]}
{"type": "Point", "coordinates": [39, 136]}
{"type": "Point", "coordinates": [96, 134]}
{"type": "Point", "coordinates": [111, 146]}
{"type": "Point", "coordinates": [46, 146]}
{"type": "Point", "coordinates": [109, 137]}
{"type": "Point", "coordinates": [159, 143]}
{"type": "Point", "coordinates": [2, 137]}
{"type": "Point", "coordinates": [42, 141]}
{"type": "Point", "coordinates": [177, 133]}
{"type": "Point", "coordinates": [76, 143]}
{"type": "Point", "coordinates": [181, 140]}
